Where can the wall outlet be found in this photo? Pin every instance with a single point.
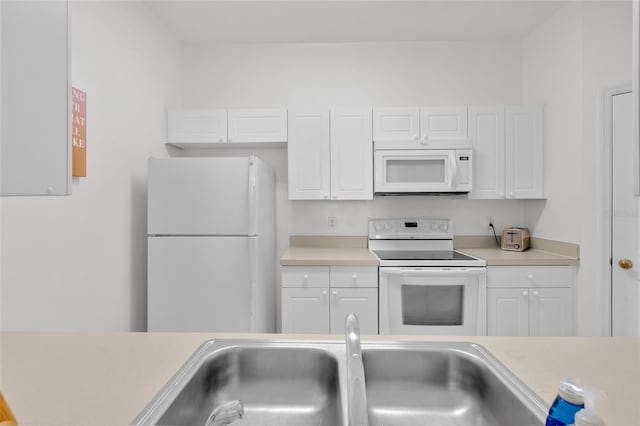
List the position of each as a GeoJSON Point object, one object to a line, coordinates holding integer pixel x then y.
{"type": "Point", "coordinates": [331, 223]}
{"type": "Point", "coordinates": [491, 221]}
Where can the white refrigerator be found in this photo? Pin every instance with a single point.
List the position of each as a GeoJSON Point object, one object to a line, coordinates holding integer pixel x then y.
{"type": "Point", "coordinates": [211, 245]}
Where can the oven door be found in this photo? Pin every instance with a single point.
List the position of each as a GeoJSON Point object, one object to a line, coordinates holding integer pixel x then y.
{"type": "Point", "coordinates": [433, 301]}
{"type": "Point", "coordinates": [422, 171]}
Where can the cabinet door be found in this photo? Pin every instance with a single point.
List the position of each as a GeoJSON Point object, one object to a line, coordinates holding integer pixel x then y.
{"type": "Point", "coordinates": [396, 124]}
{"type": "Point", "coordinates": [524, 155]}
{"type": "Point", "coordinates": [36, 98]}
{"type": "Point", "coordinates": [363, 302]}
{"type": "Point", "coordinates": [257, 125]}
{"type": "Point", "coordinates": [351, 154]}
{"type": "Point", "coordinates": [308, 154]}
{"type": "Point", "coordinates": [551, 312]}
{"type": "Point", "coordinates": [507, 312]}
{"type": "Point", "coordinates": [439, 125]}
{"type": "Point", "coordinates": [486, 134]}
{"type": "Point", "coordinates": [197, 126]}
{"type": "Point", "coordinates": [305, 310]}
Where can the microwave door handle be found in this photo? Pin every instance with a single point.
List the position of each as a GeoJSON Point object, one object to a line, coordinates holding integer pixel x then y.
{"type": "Point", "coordinates": [453, 170]}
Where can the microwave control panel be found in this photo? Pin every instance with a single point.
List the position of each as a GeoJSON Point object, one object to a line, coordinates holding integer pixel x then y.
{"type": "Point", "coordinates": [463, 165]}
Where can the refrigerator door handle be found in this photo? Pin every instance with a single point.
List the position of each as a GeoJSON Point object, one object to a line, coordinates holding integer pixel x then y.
{"type": "Point", "coordinates": [253, 208]}
{"type": "Point", "coordinates": [253, 276]}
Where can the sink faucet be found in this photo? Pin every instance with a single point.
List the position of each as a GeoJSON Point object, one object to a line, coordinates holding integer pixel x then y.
{"type": "Point", "coordinates": [226, 413]}
{"type": "Point", "coordinates": [357, 408]}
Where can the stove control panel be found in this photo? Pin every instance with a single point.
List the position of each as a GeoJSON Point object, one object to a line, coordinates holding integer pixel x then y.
{"type": "Point", "coordinates": [410, 228]}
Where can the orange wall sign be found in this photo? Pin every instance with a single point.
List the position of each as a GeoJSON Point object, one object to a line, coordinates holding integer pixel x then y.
{"type": "Point", "coordinates": [79, 132]}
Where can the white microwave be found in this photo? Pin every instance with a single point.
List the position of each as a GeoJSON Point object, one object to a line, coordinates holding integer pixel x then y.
{"type": "Point", "coordinates": [420, 171]}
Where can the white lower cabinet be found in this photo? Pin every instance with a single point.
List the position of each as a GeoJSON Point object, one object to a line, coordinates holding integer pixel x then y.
{"type": "Point", "coordinates": [311, 305]}
{"type": "Point", "coordinates": [530, 301]}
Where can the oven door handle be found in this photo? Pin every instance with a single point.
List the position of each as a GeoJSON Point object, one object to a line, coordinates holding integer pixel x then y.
{"type": "Point", "coordinates": [433, 272]}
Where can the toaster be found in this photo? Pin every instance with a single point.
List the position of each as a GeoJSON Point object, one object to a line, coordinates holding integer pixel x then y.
{"type": "Point", "coordinates": [515, 239]}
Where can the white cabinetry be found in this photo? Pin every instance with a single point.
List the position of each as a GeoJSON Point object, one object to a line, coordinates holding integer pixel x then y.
{"type": "Point", "coordinates": [203, 127]}
{"type": "Point", "coordinates": [316, 299]}
{"type": "Point", "coordinates": [257, 125]}
{"type": "Point", "coordinates": [432, 127]}
{"type": "Point", "coordinates": [508, 156]}
{"type": "Point", "coordinates": [197, 126]}
{"type": "Point", "coordinates": [309, 154]}
{"type": "Point", "coordinates": [36, 98]}
{"type": "Point", "coordinates": [530, 301]}
{"type": "Point", "coordinates": [330, 158]}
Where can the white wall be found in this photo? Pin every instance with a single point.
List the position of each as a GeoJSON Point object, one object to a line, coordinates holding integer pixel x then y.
{"type": "Point", "coordinates": [372, 74]}
{"type": "Point", "coordinates": [584, 48]}
{"type": "Point", "coordinates": [79, 262]}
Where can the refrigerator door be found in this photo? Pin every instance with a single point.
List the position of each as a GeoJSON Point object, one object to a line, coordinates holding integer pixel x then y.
{"type": "Point", "coordinates": [201, 284]}
{"type": "Point", "coordinates": [202, 196]}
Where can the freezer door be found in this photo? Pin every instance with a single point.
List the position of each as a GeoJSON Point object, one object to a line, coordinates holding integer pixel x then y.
{"type": "Point", "coordinates": [200, 284]}
{"type": "Point", "coordinates": [201, 196]}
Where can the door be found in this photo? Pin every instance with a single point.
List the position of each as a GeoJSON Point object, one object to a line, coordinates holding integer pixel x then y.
{"type": "Point", "coordinates": [414, 170]}
{"type": "Point", "coordinates": [363, 302]}
{"type": "Point", "coordinates": [199, 284]}
{"type": "Point", "coordinates": [257, 125]}
{"type": "Point", "coordinates": [430, 301]}
{"type": "Point", "coordinates": [200, 196]}
{"type": "Point", "coordinates": [308, 154]}
{"type": "Point", "coordinates": [550, 312]}
{"type": "Point", "coordinates": [36, 98]}
{"type": "Point", "coordinates": [197, 126]}
{"type": "Point", "coordinates": [624, 232]}
{"type": "Point", "coordinates": [508, 312]}
{"type": "Point", "coordinates": [524, 156]}
{"type": "Point", "coordinates": [305, 310]}
{"type": "Point", "coordinates": [486, 133]}
{"type": "Point", "coordinates": [396, 124]}
{"type": "Point", "coordinates": [351, 154]}
{"type": "Point", "coordinates": [438, 125]}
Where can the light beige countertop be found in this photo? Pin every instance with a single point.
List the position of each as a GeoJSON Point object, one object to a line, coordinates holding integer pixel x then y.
{"type": "Point", "coordinates": [530, 257]}
{"type": "Point", "coordinates": [542, 252]}
{"type": "Point", "coordinates": [327, 251]}
{"type": "Point", "coordinates": [86, 379]}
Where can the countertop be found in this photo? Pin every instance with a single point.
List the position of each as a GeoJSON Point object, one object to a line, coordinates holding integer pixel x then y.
{"type": "Point", "coordinates": [337, 256]}
{"type": "Point", "coordinates": [86, 379]}
{"type": "Point", "coordinates": [530, 257]}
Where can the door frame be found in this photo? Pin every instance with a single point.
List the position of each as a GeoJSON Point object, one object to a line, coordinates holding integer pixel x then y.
{"type": "Point", "coordinates": [605, 221]}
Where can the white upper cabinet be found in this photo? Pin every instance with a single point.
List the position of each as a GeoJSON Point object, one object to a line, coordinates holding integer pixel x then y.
{"type": "Point", "coordinates": [257, 125]}
{"type": "Point", "coordinates": [507, 146]}
{"type": "Point", "coordinates": [308, 154]}
{"type": "Point", "coordinates": [416, 128]}
{"type": "Point", "coordinates": [524, 156]}
{"type": "Point", "coordinates": [197, 126]}
{"type": "Point", "coordinates": [351, 154]}
{"type": "Point", "coordinates": [36, 98]}
{"type": "Point", "coordinates": [443, 124]}
{"type": "Point", "coordinates": [486, 133]}
{"type": "Point", "coordinates": [330, 154]}
{"type": "Point", "coordinates": [396, 124]}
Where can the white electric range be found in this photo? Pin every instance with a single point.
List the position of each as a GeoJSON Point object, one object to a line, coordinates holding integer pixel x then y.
{"type": "Point", "coordinates": [427, 287]}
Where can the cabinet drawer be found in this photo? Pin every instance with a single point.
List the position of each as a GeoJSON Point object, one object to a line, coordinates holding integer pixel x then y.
{"type": "Point", "coordinates": [530, 276]}
{"type": "Point", "coordinates": [354, 276]}
{"type": "Point", "coordinates": [305, 276]}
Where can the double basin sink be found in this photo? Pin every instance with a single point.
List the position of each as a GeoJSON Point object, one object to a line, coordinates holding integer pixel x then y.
{"type": "Point", "coordinates": [307, 383]}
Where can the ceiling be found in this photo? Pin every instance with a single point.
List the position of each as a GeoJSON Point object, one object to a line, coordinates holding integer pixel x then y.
{"type": "Point", "coordinates": [296, 21]}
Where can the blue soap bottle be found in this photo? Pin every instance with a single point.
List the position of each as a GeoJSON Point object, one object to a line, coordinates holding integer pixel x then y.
{"type": "Point", "coordinates": [568, 402]}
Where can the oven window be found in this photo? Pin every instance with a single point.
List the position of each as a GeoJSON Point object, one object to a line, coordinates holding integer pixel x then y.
{"type": "Point", "coordinates": [432, 305]}
{"type": "Point", "coordinates": [415, 171]}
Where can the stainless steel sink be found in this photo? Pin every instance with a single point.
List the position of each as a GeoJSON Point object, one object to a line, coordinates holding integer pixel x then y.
{"type": "Point", "coordinates": [445, 384]}
{"type": "Point", "coordinates": [278, 383]}
{"type": "Point", "coordinates": [294, 383]}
